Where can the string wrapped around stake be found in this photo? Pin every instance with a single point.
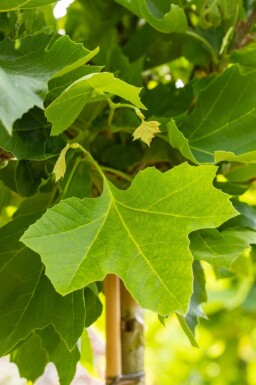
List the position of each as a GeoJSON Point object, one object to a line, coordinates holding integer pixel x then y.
{"type": "Point", "coordinates": [126, 379]}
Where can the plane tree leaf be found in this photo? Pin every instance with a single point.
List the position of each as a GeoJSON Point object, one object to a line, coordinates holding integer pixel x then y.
{"type": "Point", "coordinates": [140, 234]}
{"type": "Point", "coordinates": [90, 88]}
{"type": "Point", "coordinates": [225, 109]}
{"type": "Point", "coordinates": [28, 300]}
{"type": "Point", "coordinates": [12, 5]}
{"type": "Point", "coordinates": [164, 19]}
{"type": "Point", "coordinates": [27, 64]}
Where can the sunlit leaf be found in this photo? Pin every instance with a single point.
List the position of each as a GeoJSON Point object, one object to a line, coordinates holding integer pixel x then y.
{"type": "Point", "coordinates": [12, 5]}
{"type": "Point", "coordinates": [140, 234]}
{"type": "Point", "coordinates": [64, 110]}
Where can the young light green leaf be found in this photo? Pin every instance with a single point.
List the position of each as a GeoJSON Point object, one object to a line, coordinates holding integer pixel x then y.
{"type": "Point", "coordinates": [146, 131]}
{"type": "Point", "coordinates": [171, 19]}
{"type": "Point", "coordinates": [65, 109]}
{"type": "Point", "coordinates": [60, 166]}
{"type": "Point", "coordinates": [225, 109]}
{"type": "Point", "coordinates": [27, 64]}
{"type": "Point", "coordinates": [140, 234]}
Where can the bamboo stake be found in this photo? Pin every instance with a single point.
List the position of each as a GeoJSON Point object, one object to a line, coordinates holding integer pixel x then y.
{"type": "Point", "coordinates": [113, 328]}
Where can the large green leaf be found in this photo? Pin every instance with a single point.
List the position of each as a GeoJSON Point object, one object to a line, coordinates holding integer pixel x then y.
{"type": "Point", "coordinates": [64, 110]}
{"type": "Point", "coordinates": [27, 64]}
{"type": "Point", "coordinates": [170, 18]}
{"type": "Point", "coordinates": [27, 299]}
{"type": "Point", "coordinates": [140, 234]}
{"type": "Point", "coordinates": [12, 5]}
{"type": "Point", "coordinates": [223, 120]}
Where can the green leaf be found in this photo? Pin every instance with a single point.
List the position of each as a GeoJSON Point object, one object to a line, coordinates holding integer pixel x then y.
{"type": "Point", "coordinates": [225, 109]}
{"type": "Point", "coordinates": [30, 358]}
{"type": "Point", "coordinates": [65, 109]}
{"type": "Point", "coordinates": [31, 137]}
{"type": "Point", "coordinates": [224, 156]}
{"type": "Point", "coordinates": [169, 19]}
{"type": "Point", "coordinates": [92, 302]}
{"type": "Point", "coordinates": [191, 319]}
{"type": "Point", "coordinates": [245, 57]}
{"type": "Point", "coordinates": [27, 298]}
{"type": "Point", "coordinates": [178, 140]}
{"type": "Point", "coordinates": [58, 84]}
{"type": "Point", "coordinates": [221, 248]}
{"type": "Point", "coordinates": [27, 64]}
{"type": "Point", "coordinates": [77, 180]}
{"type": "Point", "coordinates": [246, 219]}
{"type": "Point", "coordinates": [29, 175]}
{"type": "Point", "coordinates": [64, 360]}
{"type": "Point", "coordinates": [60, 166]}
{"type": "Point", "coordinates": [5, 196]}
{"type": "Point", "coordinates": [42, 347]}
{"type": "Point", "coordinates": [140, 234]}
{"type": "Point", "coordinates": [12, 5]}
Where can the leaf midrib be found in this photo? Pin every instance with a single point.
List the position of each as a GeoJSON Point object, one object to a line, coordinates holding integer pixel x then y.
{"type": "Point", "coordinates": [139, 249]}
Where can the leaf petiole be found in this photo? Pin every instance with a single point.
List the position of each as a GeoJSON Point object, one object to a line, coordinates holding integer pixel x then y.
{"type": "Point", "coordinates": [114, 106]}
{"type": "Point", "coordinates": [99, 168]}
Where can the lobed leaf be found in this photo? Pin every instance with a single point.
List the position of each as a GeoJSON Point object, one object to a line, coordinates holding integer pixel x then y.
{"type": "Point", "coordinates": [140, 234]}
